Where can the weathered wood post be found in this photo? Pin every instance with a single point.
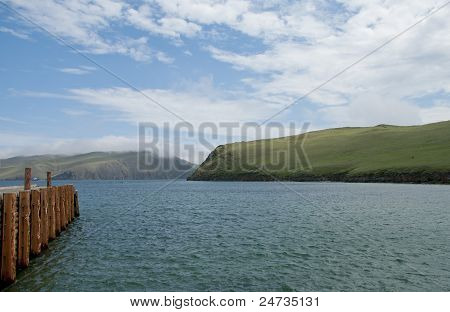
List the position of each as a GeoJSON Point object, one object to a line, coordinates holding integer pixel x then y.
{"type": "Point", "coordinates": [57, 211]}
{"type": "Point", "coordinates": [72, 210]}
{"type": "Point", "coordinates": [9, 256]}
{"type": "Point", "coordinates": [24, 230]}
{"type": "Point", "coordinates": [27, 182]}
{"type": "Point", "coordinates": [66, 215]}
{"type": "Point", "coordinates": [35, 222]}
{"type": "Point", "coordinates": [66, 198]}
{"type": "Point", "coordinates": [69, 203]}
{"type": "Point", "coordinates": [73, 201]}
{"type": "Point", "coordinates": [29, 219]}
{"type": "Point", "coordinates": [66, 188]}
{"type": "Point", "coordinates": [44, 218]}
{"type": "Point", "coordinates": [62, 203]}
{"type": "Point", "coordinates": [76, 205]}
{"type": "Point", "coordinates": [49, 178]}
{"type": "Point", "coordinates": [51, 213]}
{"type": "Point", "coordinates": [1, 233]}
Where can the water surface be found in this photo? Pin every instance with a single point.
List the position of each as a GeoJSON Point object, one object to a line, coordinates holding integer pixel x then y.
{"type": "Point", "coordinates": [249, 236]}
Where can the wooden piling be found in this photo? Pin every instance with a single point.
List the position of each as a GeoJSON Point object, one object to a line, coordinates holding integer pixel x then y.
{"type": "Point", "coordinates": [1, 233]}
{"type": "Point", "coordinates": [57, 211]}
{"type": "Point", "coordinates": [23, 250]}
{"type": "Point", "coordinates": [72, 208]}
{"type": "Point", "coordinates": [73, 201]}
{"type": "Point", "coordinates": [29, 219]}
{"type": "Point", "coordinates": [9, 255]}
{"type": "Point", "coordinates": [63, 190]}
{"type": "Point", "coordinates": [27, 182]}
{"type": "Point", "coordinates": [66, 198]}
{"type": "Point", "coordinates": [44, 218]}
{"type": "Point", "coordinates": [62, 204]}
{"type": "Point", "coordinates": [76, 205]}
{"type": "Point", "coordinates": [49, 179]}
{"type": "Point", "coordinates": [35, 222]}
{"type": "Point", "coordinates": [66, 205]}
{"type": "Point", "coordinates": [69, 214]}
{"type": "Point", "coordinates": [70, 201]}
{"type": "Point", "coordinates": [51, 213]}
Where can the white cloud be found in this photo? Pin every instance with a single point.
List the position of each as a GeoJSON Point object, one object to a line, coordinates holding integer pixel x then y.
{"type": "Point", "coordinates": [11, 120]}
{"type": "Point", "coordinates": [81, 70]}
{"type": "Point", "coordinates": [179, 26]}
{"type": "Point", "coordinates": [15, 33]}
{"type": "Point", "coordinates": [144, 18]}
{"type": "Point", "coordinates": [74, 112]}
{"type": "Point", "coordinates": [414, 65]}
{"type": "Point", "coordinates": [164, 58]}
{"type": "Point", "coordinates": [14, 144]}
{"type": "Point", "coordinates": [198, 101]}
{"type": "Point", "coordinates": [269, 20]}
{"type": "Point", "coordinates": [372, 109]}
{"type": "Point", "coordinates": [438, 112]}
{"type": "Point", "coordinates": [90, 24]}
{"type": "Point", "coordinates": [301, 45]}
{"type": "Point", "coordinates": [206, 11]}
{"type": "Point", "coordinates": [195, 106]}
{"type": "Point", "coordinates": [82, 23]}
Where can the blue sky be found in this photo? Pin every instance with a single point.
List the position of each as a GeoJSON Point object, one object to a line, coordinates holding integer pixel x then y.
{"type": "Point", "coordinates": [212, 61]}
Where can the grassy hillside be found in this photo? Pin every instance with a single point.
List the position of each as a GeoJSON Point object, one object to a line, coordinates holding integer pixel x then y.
{"type": "Point", "coordinates": [106, 166]}
{"type": "Point", "coordinates": [383, 153]}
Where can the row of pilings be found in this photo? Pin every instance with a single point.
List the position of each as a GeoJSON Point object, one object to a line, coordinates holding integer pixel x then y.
{"type": "Point", "coordinates": [30, 218]}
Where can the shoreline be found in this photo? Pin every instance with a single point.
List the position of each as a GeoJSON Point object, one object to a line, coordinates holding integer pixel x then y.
{"type": "Point", "coordinates": [400, 178]}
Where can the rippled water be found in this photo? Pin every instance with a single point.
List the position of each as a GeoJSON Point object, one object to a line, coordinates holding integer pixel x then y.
{"type": "Point", "coordinates": [262, 236]}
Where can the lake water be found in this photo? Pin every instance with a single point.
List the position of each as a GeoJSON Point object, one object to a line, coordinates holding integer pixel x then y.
{"type": "Point", "coordinates": [249, 236]}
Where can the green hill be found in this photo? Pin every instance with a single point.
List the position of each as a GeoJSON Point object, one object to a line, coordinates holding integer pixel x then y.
{"type": "Point", "coordinates": [414, 154]}
{"type": "Point", "coordinates": [99, 165]}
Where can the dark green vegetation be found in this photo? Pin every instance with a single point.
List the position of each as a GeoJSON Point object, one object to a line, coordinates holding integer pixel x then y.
{"type": "Point", "coordinates": [414, 154]}
{"type": "Point", "coordinates": [93, 166]}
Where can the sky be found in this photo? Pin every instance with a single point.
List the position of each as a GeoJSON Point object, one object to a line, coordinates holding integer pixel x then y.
{"type": "Point", "coordinates": [78, 76]}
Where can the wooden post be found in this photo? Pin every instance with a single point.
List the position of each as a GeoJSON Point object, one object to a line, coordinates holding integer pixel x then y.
{"type": "Point", "coordinates": [66, 205]}
{"type": "Point", "coordinates": [51, 213]}
{"type": "Point", "coordinates": [1, 234]}
{"type": "Point", "coordinates": [62, 203]}
{"type": "Point", "coordinates": [73, 202]}
{"type": "Point", "coordinates": [69, 195]}
{"type": "Point", "coordinates": [9, 216]}
{"type": "Point", "coordinates": [24, 229]}
{"type": "Point", "coordinates": [27, 183]}
{"type": "Point", "coordinates": [49, 179]}
{"type": "Point", "coordinates": [72, 214]}
{"type": "Point", "coordinates": [44, 218]}
{"type": "Point", "coordinates": [66, 190]}
{"type": "Point", "coordinates": [69, 202]}
{"type": "Point", "coordinates": [35, 222]}
{"type": "Point", "coordinates": [66, 208]}
{"type": "Point", "coordinates": [76, 205]}
{"type": "Point", "coordinates": [57, 211]}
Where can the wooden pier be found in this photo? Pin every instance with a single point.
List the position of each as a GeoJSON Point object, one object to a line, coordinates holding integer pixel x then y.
{"type": "Point", "coordinates": [30, 217]}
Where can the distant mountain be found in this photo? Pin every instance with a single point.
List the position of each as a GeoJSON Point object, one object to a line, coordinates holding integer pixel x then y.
{"type": "Point", "coordinates": [414, 154]}
{"type": "Point", "coordinates": [94, 166]}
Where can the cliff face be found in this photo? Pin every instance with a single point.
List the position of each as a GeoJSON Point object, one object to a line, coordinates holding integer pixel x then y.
{"type": "Point", "coordinates": [95, 166]}
{"type": "Point", "coordinates": [417, 154]}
